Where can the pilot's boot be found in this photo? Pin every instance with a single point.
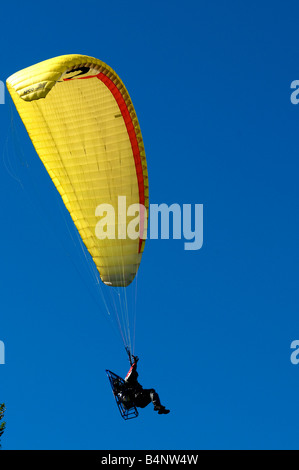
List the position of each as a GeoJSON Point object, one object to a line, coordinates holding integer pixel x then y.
{"type": "Point", "coordinates": [163, 411]}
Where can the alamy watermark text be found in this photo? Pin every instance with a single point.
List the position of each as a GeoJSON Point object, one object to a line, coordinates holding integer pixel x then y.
{"type": "Point", "coordinates": [2, 353]}
{"type": "Point", "coordinates": [2, 93]}
{"type": "Point", "coordinates": [166, 222]}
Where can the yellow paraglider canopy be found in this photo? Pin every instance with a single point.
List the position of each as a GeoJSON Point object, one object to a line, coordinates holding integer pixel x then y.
{"type": "Point", "coordinates": [84, 128]}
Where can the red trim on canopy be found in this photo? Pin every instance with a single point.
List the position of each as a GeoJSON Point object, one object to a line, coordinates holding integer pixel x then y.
{"type": "Point", "coordinates": [132, 136]}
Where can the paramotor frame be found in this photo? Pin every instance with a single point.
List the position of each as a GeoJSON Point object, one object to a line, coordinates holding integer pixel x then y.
{"type": "Point", "coordinates": [129, 411]}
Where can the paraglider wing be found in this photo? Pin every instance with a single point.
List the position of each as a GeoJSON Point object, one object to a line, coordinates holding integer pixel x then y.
{"type": "Point", "coordinates": [84, 128]}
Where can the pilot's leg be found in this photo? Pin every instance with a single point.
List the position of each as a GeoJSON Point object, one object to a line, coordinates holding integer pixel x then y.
{"type": "Point", "coordinates": [156, 402]}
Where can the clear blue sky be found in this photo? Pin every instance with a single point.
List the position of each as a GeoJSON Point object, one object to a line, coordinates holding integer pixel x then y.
{"type": "Point", "coordinates": [210, 82]}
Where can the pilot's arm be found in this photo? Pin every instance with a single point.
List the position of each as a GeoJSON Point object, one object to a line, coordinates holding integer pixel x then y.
{"type": "Point", "coordinates": [132, 375]}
